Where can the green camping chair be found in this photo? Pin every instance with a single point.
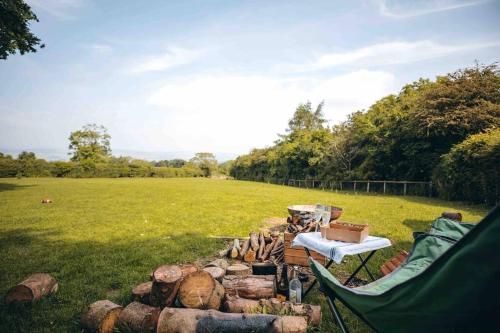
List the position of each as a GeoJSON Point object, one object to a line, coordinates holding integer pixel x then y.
{"type": "Point", "coordinates": [450, 282]}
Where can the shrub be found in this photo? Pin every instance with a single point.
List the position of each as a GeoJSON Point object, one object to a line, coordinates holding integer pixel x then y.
{"type": "Point", "coordinates": [470, 170]}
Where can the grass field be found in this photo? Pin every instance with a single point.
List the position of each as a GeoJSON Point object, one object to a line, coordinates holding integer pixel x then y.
{"type": "Point", "coordinates": [101, 237]}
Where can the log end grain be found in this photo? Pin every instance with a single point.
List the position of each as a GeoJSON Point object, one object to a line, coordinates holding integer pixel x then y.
{"type": "Point", "coordinates": [141, 292]}
{"type": "Point", "coordinates": [200, 290]}
{"type": "Point", "coordinates": [32, 289]}
{"type": "Point", "coordinates": [101, 316]}
{"type": "Point", "coordinates": [138, 317]}
{"type": "Point", "coordinates": [216, 272]}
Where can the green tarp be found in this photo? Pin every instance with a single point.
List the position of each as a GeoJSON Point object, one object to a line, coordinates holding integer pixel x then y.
{"type": "Point", "coordinates": [449, 283]}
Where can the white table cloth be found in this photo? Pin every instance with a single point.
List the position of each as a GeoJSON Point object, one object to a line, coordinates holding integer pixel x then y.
{"type": "Point", "coordinates": [336, 250]}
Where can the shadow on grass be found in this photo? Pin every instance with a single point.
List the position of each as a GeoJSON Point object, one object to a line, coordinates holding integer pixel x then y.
{"type": "Point", "coordinates": [418, 225]}
{"type": "Point", "coordinates": [87, 271]}
{"type": "Point", "coordinates": [11, 187]}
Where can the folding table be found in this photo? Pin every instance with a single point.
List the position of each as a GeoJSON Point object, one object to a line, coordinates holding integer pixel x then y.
{"type": "Point", "coordinates": [336, 250]}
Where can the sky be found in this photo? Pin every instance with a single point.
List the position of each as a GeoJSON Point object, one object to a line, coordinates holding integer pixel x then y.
{"type": "Point", "coordinates": [171, 78]}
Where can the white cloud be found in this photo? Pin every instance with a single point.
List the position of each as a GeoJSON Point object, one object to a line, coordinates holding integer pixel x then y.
{"type": "Point", "coordinates": [233, 113]}
{"type": "Point", "coordinates": [172, 58]}
{"type": "Point", "coordinates": [389, 53]}
{"type": "Point", "coordinates": [99, 49]}
{"type": "Point", "coordinates": [405, 9]}
{"type": "Point", "coordinates": [61, 9]}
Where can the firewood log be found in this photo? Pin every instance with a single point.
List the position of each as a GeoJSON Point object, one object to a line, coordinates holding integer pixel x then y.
{"type": "Point", "coordinates": [141, 292]}
{"type": "Point", "coordinates": [218, 263]}
{"type": "Point", "coordinates": [262, 245]}
{"type": "Point", "coordinates": [173, 320]}
{"type": "Point", "coordinates": [200, 290]}
{"type": "Point", "coordinates": [224, 253]}
{"type": "Point", "coordinates": [166, 281]}
{"type": "Point", "coordinates": [244, 248]}
{"type": "Point", "coordinates": [250, 256]}
{"type": "Point", "coordinates": [235, 250]}
{"type": "Point", "coordinates": [101, 316]}
{"type": "Point", "coordinates": [254, 241]}
{"type": "Point", "coordinates": [278, 247]}
{"type": "Point", "coordinates": [268, 239]}
{"type": "Point", "coordinates": [250, 286]}
{"type": "Point", "coordinates": [238, 269]}
{"type": "Point", "coordinates": [32, 289]}
{"type": "Point", "coordinates": [138, 317]}
{"type": "Point", "coordinates": [273, 306]}
{"type": "Point", "coordinates": [267, 250]}
{"type": "Point", "coordinates": [216, 272]}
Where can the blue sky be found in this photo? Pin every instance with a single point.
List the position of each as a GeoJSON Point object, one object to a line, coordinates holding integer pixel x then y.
{"type": "Point", "coordinates": [172, 78]}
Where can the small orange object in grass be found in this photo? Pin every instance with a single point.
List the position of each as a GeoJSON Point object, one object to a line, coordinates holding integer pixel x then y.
{"type": "Point", "coordinates": [46, 201]}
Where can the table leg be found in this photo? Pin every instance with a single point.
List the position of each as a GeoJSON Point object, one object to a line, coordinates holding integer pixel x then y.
{"type": "Point", "coordinates": [363, 263]}
{"type": "Point", "coordinates": [366, 268]}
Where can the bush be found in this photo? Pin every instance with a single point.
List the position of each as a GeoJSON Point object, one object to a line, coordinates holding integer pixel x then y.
{"type": "Point", "coordinates": [470, 170]}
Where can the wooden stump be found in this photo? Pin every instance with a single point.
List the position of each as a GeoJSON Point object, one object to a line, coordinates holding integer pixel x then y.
{"type": "Point", "coordinates": [222, 263]}
{"type": "Point", "coordinates": [101, 316]}
{"type": "Point", "coordinates": [274, 306]}
{"type": "Point", "coordinates": [32, 289]}
{"type": "Point", "coordinates": [138, 317]}
{"type": "Point", "coordinates": [188, 269]}
{"type": "Point", "coordinates": [166, 281]}
{"type": "Point", "coordinates": [200, 290]}
{"type": "Point", "coordinates": [250, 286]}
{"type": "Point", "coordinates": [141, 293]}
{"type": "Point", "coordinates": [238, 269]}
{"type": "Point", "coordinates": [216, 272]}
{"type": "Point", "coordinates": [173, 320]}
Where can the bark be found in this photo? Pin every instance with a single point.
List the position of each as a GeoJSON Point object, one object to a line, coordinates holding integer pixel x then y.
{"type": "Point", "coordinates": [262, 245]}
{"type": "Point", "coordinates": [142, 292]}
{"type": "Point", "coordinates": [238, 269]}
{"type": "Point", "coordinates": [250, 286]}
{"type": "Point", "coordinates": [32, 289]}
{"type": "Point", "coordinates": [166, 281]}
{"type": "Point", "coordinates": [101, 316]}
{"type": "Point", "coordinates": [138, 317]}
{"type": "Point", "coordinates": [244, 248]}
{"type": "Point", "coordinates": [187, 269]}
{"type": "Point", "coordinates": [216, 272]}
{"type": "Point", "coordinates": [254, 241]}
{"type": "Point", "coordinates": [267, 250]}
{"type": "Point", "coordinates": [235, 250]}
{"type": "Point", "coordinates": [200, 290]}
{"type": "Point", "coordinates": [198, 321]}
{"type": "Point", "coordinates": [274, 306]}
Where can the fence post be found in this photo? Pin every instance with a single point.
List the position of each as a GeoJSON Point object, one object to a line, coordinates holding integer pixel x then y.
{"type": "Point", "coordinates": [368, 187]}
{"type": "Point", "coordinates": [384, 187]}
{"type": "Point", "coordinates": [404, 188]}
{"type": "Point", "coordinates": [340, 185]}
{"type": "Point", "coordinates": [354, 186]}
{"type": "Point", "coordinates": [430, 189]}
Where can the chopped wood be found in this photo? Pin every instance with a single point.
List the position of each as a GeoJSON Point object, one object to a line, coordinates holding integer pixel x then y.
{"type": "Point", "coordinates": [200, 290]}
{"type": "Point", "coordinates": [267, 251]}
{"type": "Point", "coordinates": [262, 245]}
{"type": "Point", "coordinates": [32, 289]}
{"type": "Point", "coordinates": [238, 269]}
{"type": "Point", "coordinates": [222, 263]}
{"type": "Point", "coordinates": [101, 316]}
{"type": "Point", "coordinates": [268, 239]}
{"type": "Point", "coordinates": [141, 292]}
{"type": "Point", "coordinates": [279, 246]}
{"type": "Point", "coordinates": [274, 306]}
{"type": "Point", "coordinates": [187, 269]}
{"type": "Point", "coordinates": [138, 317]}
{"type": "Point", "coordinates": [174, 320]}
{"type": "Point", "coordinates": [224, 253]}
{"type": "Point", "coordinates": [244, 248]}
{"type": "Point", "coordinates": [250, 286]}
{"type": "Point", "coordinates": [166, 281]}
{"type": "Point", "coordinates": [235, 249]}
{"type": "Point", "coordinates": [254, 241]}
{"type": "Point", "coordinates": [249, 256]}
{"type": "Point", "coordinates": [216, 272]}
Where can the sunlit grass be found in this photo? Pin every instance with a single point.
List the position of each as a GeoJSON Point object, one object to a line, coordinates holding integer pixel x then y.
{"type": "Point", "coordinates": [101, 237]}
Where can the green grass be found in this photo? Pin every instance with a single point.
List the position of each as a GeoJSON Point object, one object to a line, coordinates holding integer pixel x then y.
{"type": "Point", "coordinates": [101, 237]}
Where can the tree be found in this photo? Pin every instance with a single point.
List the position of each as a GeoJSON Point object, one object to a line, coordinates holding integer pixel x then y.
{"type": "Point", "coordinates": [15, 34]}
{"type": "Point", "coordinates": [305, 119]}
{"type": "Point", "coordinates": [206, 162]}
{"type": "Point", "coordinates": [90, 144]}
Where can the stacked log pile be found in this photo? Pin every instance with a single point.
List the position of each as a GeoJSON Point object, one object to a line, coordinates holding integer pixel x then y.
{"type": "Point", "coordinates": [302, 222]}
{"type": "Point", "coordinates": [257, 247]}
{"type": "Point", "coordinates": [186, 298]}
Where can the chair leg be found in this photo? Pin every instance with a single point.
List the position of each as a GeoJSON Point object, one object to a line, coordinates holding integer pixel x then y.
{"type": "Point", "coordinates": [336, 314]}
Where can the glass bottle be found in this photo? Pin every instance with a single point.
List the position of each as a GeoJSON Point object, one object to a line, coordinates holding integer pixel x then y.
{"type": "Point", "coordinates": [283, 285]}
{"type": "Point", "coordinates": [295, 293]}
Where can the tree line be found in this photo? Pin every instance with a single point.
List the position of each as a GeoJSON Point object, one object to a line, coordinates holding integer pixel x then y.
{"type": "Point", "coordinates": [445, 130]}
{"type": "Point", "coordinates": [91, 157]}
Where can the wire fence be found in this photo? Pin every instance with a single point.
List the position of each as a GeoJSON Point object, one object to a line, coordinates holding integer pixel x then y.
{"type": "Point", "coordinates": [393, 187]}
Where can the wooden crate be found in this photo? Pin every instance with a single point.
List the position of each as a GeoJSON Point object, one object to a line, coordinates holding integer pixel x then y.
{"type": "Point", "coordinates": [297, 255]}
